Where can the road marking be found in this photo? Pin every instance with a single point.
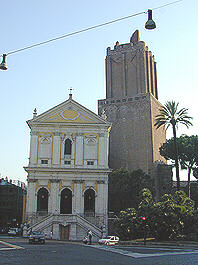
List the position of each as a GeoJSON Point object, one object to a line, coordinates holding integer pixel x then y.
{"type": "Point", "coordinates": [6, 249]}
{"type": "Point", "coordinates": [141, 255]}
{"type": "Point", "coordinates": [10, 245]}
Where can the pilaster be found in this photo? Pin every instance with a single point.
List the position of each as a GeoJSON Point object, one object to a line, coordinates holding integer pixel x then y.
{"type": "Point", "coordinates": [78, 206]}
{"type": "Point", "coordinates": [79, 149]}
{"type": "Point", "coordinates": [33, 147]}
{"type": "Point", "coordinates": [56, 148]}
{"type": "Point", "coordinates": [54, 191]}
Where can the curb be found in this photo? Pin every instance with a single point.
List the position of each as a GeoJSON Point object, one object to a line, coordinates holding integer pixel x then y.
{"type": "Point", "coordinates": [158, 244]}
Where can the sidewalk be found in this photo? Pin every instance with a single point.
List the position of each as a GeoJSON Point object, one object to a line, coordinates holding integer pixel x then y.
{"type": "Point", "coordinates": [152, 243]}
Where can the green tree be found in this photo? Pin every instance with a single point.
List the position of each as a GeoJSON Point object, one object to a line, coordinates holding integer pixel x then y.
{"type": "Point", "coordinates": [194, 192]}
{"type": "Point", "coordinates": [167, 150]}
{"type": "Point", "coordinates": [124, 188]}
{"type": "Point", "coordinates": [168, 218]}
{"type": "Point", "coordinates": [190, 229]}
{"type": "Point", "coordinates": [118, 190]}
{"type": "Point", "coordinates": [146, 202]}
{"type": "Point", "coordinates": [173, 217]}
{"type": "Point", "coordinates": [172, 213]}
{"type": "Point", "coordinates": [170, 116]}
{"type": "Point", "coordinates": [187, 153]}
{"type": "Point", "coordinates": [126, 224]}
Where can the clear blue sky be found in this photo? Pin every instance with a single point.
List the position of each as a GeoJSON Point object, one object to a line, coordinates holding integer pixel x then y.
{"type": "Point", "coordinates": [40, 77]}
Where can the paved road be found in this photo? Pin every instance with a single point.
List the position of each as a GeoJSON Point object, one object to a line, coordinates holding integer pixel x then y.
{"type": "Point", "coordinates": [18, 251]}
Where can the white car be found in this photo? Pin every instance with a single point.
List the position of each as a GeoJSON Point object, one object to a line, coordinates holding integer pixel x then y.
{"type": "Point", "coordinates": [109, 240]}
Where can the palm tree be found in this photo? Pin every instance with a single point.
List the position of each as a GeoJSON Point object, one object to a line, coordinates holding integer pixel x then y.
{"type": "Point", "coordinates": [170, 115]}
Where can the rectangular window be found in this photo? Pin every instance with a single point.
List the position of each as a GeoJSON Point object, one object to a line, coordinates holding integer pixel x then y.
{"type": "Point", "coordinates": [44, 161]}
{"type": "Point", "coordinates": [90, 163]}
{"type": "Point", "coordinates": [67, 162]}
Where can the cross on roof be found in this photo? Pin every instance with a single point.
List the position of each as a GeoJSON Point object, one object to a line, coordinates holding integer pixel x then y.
{"type": "Point", "coordinates": [70, 92]}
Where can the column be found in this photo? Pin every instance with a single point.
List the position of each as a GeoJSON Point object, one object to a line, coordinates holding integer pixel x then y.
{"type": "Point", "coordinates": [77, 199]}
{"type": "Point", "coordinates": [102, 150]}
{"type": "Point", "coordinates": [33, 147]}
{"type": "Point", "coordinates": [31, 198]}
{"type": "Point", "coordinates": [56, 148]}
{"type": "Point", "coordinates": [101, 198]}
{"type": "Point", "coordinates": [106, 148]}
{"type": "Point", "coordinates": [54, 198]}
{"type": "Point", "coordinates": [79, 149]}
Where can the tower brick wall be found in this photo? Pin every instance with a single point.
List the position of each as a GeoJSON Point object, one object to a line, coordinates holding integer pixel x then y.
{"type": "Point", "coordinates": [131, 105]}
{"type": "Point", "coordinates": [134, 140]}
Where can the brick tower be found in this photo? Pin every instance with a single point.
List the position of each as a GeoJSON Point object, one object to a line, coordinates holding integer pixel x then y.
{"type": "Point", "coordinates": [131, 105]}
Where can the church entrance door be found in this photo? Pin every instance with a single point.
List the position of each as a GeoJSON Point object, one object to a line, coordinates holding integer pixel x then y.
{"type": "Point", "coordinates": [65, 232]}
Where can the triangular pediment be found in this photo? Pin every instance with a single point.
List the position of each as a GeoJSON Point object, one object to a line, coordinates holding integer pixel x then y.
{"type": "Point", "coordinates": [68, 112]}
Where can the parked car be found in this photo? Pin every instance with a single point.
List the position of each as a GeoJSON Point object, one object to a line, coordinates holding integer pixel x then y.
{"type": "Point", "coordinates": [37, 237]}
{"type": "Point", "coordinates": [2, 230]}
{"type": "Point", "coordinates": [12, 232]}
{"type": "Point", "coordinates": [109, 240]}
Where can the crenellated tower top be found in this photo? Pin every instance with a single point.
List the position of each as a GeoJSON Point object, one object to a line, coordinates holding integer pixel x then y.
{"type": "Point", "coordinates": [130, 69]}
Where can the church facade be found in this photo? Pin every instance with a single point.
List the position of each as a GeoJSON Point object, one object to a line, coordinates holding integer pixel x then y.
{"type": "Point", "coordinates": [68, 172]}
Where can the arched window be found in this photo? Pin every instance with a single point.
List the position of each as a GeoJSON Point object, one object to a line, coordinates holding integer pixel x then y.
{"type": "Point", "coordinates": [42, 201]}
{"type": "Point", "coordinates": [89, 202]}
{"type": "Point", "coordinates": [66, 202]}
{"type": "Point", "coordinates": [68, 147]}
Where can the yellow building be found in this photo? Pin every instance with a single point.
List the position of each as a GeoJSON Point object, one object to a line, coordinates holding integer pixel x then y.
{"type": "Point", "coordinates": [68, 172]}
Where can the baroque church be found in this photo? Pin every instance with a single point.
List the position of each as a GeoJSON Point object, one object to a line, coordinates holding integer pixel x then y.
{"type": "Point", "coordinates": [73, 150]}
{"type": "Point", "coordinates": [68, 172]}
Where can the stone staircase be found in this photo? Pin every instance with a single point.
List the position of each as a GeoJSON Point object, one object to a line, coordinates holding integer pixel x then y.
{"type": "Point", "coordinates": [79, 225]}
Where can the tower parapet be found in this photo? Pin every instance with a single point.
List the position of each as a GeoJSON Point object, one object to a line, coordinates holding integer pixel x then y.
{"type": "Point", "coordinates": [130, 69]}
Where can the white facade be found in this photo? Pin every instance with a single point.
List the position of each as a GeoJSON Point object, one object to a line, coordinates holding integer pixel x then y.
{"type": "Point", "coordinates": [68, 172]}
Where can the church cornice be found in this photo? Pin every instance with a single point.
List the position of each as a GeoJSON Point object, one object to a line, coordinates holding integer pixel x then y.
{"type": "Point", "coordinates": [68, 170]}
{"type": "Point", "coordinates": [60, 125]}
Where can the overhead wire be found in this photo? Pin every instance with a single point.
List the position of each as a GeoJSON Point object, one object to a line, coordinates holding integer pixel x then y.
{"type": "Point", "coordinates": [75, 32]}
{"type": "Point", "coordinates": [87, 29]}
{"type": "Point", "coordinates": [168, 4]}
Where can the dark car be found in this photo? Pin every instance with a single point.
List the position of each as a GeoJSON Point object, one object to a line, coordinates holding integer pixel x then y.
{"type": "Point", "coordinates": [37, 237]}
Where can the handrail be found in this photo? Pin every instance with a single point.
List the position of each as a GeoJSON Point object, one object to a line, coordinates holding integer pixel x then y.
{"type": "Point", "coordinates": [41, 221]}
{"type": "Point", "coordinates": [84, 219]}
{"type": "Point", "coordinates": [79, 219]}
